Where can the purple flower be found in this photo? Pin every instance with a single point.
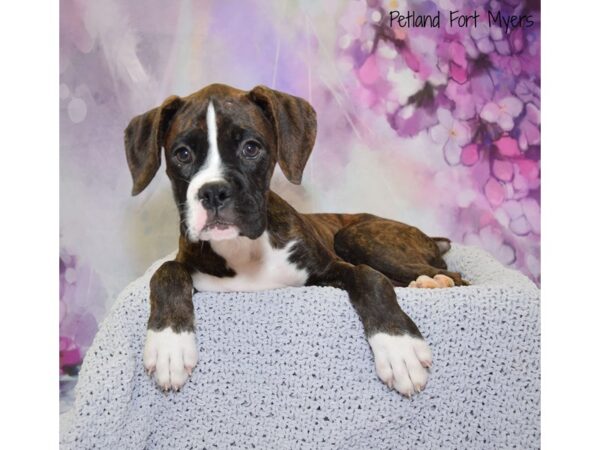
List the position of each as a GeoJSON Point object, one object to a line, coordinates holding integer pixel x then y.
{"type": "Point", "coordinates": [481, 36]}
{"type": "Point", "coordinates": [453, 57]}
{"type": "Point", "coordinates": [410, 120]}
{"type": "Point", "coordinates": [521, 216]}
{"type": "Point", "coordinates": [452, 133]}
{"type": "Point", "coordinates": [490, 238]}
{"type": "Point", "coordinates": [476, 92]}
{"type": "Point", "coordinates": [463, 98]}
{"type": "Point", "coordinates": [81, 301]}
{"type": "Point", "coordinates": [502, 112]}
{"type": "Point", "coordinates": [528, 92]}
{"type": "Point", "coordinates": [529, 128]}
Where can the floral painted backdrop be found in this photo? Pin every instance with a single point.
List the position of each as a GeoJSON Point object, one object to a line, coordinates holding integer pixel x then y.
{"type": "Point", "coordinates": [437, 127]}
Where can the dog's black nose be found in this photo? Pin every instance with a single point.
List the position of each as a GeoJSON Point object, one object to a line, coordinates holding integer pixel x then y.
{"type": "Point", "coordinates": [215, 195]}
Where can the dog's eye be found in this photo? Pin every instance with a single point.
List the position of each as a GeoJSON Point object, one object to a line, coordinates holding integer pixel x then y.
{"type": "Point", "coordinates": [183, 155]}
{"type": "Point", "coordinates": [251, 149]}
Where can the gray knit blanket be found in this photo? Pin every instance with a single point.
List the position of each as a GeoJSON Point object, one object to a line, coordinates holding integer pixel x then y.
{"type": "Point", "coordinates": [291, 369]}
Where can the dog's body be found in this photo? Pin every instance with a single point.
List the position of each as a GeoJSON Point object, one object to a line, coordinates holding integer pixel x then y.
{"type": "Point", "coordinates": [221, 145]}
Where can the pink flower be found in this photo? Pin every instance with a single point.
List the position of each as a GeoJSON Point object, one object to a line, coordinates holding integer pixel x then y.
{"type": "Point", "coordinates": [530, 170]}
{"type": "Point", "coordinates": [69, 354]}
{"type": "Point", "coordinates": [502, 112]}
{"type": "Point", "coordinates": [502, 169]}
{"type": "Point", "coordinates": [452, 133]}
{"type": "Point", "coordinates": [463, 98]}
{"type": "Point", "coordinates": [82, 299]}
{"type": "Point", "coordinates": [507, 146]}
{"type": "Point", "coordinates": [470, 154]}
{"type": "Point", "coordinates": [369, 72]}
{"type": "Point", "coordinates": [454, 53]}
{"type": "Point", "coordinates": [526, 178]}
{"type": "Point", "coordinates": [494, 191]}
{"type": "Point", "coordinates": [476, 91]}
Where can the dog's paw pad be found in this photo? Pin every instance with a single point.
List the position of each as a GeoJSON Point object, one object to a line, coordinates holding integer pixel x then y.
{"type": "Point", "coordinates": [424, 282]}
{"type": "Point", "coordinates": [170, 356]}
{"type": "Point", "coordinates": [401, 362]}
{"type": "Point", "coordinates": [437, 282]}
{"type": "Point", "coordinates": [444, 280]}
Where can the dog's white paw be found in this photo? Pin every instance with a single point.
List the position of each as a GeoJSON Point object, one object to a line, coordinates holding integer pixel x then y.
{"type": "Point", "coordinates": [171, 356]}
{"type": "Point", "coordinates": [401, 362]}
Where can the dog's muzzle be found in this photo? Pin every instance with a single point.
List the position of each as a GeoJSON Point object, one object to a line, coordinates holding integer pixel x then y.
{"type": "Point", "coordinates": [216, 198]}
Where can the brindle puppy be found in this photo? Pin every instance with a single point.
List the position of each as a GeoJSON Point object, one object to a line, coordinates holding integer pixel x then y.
{"type": "Point", "coordinates": [221, 145]}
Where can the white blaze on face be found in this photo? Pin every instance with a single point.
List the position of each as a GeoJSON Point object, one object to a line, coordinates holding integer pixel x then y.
{"type": "Point", "coordinates": [211, 171]}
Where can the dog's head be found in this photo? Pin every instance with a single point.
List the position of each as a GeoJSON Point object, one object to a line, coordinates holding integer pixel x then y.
{"type": "Point", "coordinates": [221, 145]}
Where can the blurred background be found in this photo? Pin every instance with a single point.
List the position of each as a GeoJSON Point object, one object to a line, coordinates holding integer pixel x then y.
{"type": "Point", "coordinates": [439, 128]}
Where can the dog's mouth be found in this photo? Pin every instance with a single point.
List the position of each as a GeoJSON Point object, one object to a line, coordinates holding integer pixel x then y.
{"type": "Point", "coordinates": [217, 224]}
{"type": "Point", "coordinates": [218, 228]}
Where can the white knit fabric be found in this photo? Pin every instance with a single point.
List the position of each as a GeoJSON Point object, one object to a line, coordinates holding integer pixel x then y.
{"type": "Point", "coordinates": [290, 368]}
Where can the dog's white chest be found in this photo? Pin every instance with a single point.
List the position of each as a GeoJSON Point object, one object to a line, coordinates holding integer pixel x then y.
{"type": "Point", "coordinates": [257, 265]}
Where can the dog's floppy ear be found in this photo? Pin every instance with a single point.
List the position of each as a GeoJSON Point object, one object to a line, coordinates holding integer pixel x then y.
{"type": "Point", "coordinates": [295, 124]}
{"type": "Point", "coordinates": [144, 139]}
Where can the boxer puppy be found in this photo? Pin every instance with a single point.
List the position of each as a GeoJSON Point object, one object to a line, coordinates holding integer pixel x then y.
{"type": "Point", "coordinates": [221, 145]}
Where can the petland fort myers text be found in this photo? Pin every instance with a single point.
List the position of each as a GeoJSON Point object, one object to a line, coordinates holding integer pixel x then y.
{"type": "Point", "coordinates": [410, 19]}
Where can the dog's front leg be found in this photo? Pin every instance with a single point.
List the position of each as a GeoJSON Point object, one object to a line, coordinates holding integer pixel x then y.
{"type": "Point", "coordinates": [170, 351]}
{"type": "Point", "coordinates": [402, 357]}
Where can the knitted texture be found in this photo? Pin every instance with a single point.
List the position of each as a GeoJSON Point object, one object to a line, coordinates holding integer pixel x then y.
{"type": "Point", "coordinates": [290, 368]}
